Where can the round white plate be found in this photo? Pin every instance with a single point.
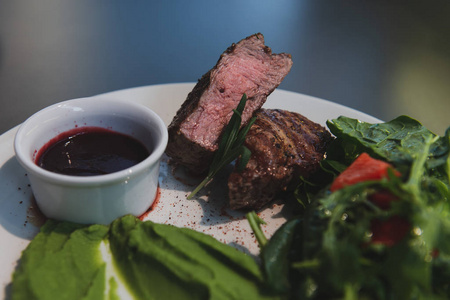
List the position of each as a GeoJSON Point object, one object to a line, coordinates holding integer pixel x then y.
{"type": "Point", "coordinates": [208, 213]}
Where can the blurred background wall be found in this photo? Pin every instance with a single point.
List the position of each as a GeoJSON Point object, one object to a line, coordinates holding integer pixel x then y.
{"type": "Point", "coordinates": [385, 58]}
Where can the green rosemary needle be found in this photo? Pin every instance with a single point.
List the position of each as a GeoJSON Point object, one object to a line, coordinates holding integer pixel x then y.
{"type": "Point", "coordinates": [231, 146]}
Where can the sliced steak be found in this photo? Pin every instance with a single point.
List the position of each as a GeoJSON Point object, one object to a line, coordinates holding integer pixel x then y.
{"type": "Point", "coordinates": [284, 146]}
{"type": "Point", "coordinates": [246, 67]}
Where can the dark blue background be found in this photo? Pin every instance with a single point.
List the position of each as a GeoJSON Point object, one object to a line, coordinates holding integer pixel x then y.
{"type": "Point", "coordinates": [382, 57]}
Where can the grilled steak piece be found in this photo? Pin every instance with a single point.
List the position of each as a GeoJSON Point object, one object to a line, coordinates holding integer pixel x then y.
{"type": "Point", "coordinates": [246, 67]}
{"type": "Point", "coordinates": [284, 146]}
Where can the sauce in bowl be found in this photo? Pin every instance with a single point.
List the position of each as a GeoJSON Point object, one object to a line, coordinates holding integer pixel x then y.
{"type": "Point", "coordinates": [90, 151]}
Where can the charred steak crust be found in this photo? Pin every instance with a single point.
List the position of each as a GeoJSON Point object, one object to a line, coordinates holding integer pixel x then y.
{"type": "Point", "coordinates": [246, 67]}
{"type": "Point", "coordinates": [284, 145]}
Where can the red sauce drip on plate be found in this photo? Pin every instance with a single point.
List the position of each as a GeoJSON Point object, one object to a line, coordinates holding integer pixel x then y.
{"type": "Point", "coordinates": [89, 151]}
{"type": "Point", "coordinates": [153, 206]}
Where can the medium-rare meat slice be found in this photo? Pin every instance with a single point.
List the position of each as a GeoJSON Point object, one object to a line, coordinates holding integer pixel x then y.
{"type": "Point", "coordinates": [284, 146]}
{"type": "Point", "coordinates": [246, 67]}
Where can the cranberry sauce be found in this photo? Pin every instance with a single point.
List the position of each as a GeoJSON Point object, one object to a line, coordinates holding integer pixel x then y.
{"type": "Point", "coordinates": [89, 151]}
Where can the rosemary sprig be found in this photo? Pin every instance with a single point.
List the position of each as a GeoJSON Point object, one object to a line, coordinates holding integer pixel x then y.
{"type": "Point", "coordinates": [255, 223]}
{"type": "Point", "coordinates": [231, 146]}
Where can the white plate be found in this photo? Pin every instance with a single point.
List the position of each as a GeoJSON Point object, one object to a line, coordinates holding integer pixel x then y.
{"type": "Point", "coordinates": [208, 214]}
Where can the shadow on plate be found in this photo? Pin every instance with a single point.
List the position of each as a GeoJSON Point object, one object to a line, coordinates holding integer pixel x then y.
{"type": "Point", "coordinates": [19, 212]}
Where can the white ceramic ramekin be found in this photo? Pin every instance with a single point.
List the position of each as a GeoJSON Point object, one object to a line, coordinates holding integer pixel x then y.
{"type": "Point", "coordinates": [93, 199]}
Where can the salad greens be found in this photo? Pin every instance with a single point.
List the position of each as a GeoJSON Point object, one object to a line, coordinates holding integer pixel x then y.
{"type": "Point", "coordinates": [399, 142]}
{"type": "Point", "coordinates": [328, 251]}
{"type": "Point", "coordinates": [131, 259]}
{"type": "Point", "coordinates": [62, 262]}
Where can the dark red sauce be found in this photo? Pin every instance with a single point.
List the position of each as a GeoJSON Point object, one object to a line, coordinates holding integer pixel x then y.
{"type": "Point", "coordinates": [89, 151]}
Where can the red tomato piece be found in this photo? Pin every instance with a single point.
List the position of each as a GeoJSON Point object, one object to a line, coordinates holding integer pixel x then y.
{"type": "Point", "coordinates": [435, 253]}
{"type": "Point", "coordinates": [364, 168]}
{"type": "Point", "coordinates": [389, 232]}
{"type": "Point", "coordinates": [382, 199]}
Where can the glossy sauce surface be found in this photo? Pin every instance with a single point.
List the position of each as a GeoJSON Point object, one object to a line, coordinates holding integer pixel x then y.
{"type": "Point", "coordinates": [90, 151]}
